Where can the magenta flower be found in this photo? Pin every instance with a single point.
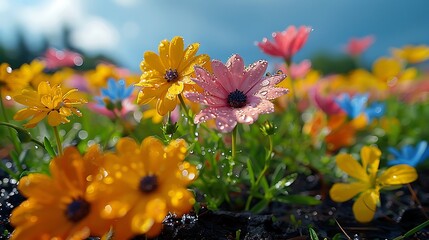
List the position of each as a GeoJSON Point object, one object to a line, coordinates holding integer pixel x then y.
{"type": "Point", "coordinates": [287, 43]}
{"type": "Point", "coordinates": [234, 93]}
{"type": "Point", "coordinates": [326, 103]}
{"type": "Point", "coordinates": [54, 58]}
{"type": "Point", "coordinates": [356, 46]}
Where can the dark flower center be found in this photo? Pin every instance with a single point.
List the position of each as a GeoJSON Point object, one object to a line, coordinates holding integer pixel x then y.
{"type": "Point", "coordinates": [237, 99]}
{"type": "Point", "coordinates": [77, 210]}
{"type": "Point", "coordinates": [148, 183]}
{"type": "Point", "coordinates": [171, 75]}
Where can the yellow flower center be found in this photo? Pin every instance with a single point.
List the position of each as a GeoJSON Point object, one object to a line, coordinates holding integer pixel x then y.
{"type": "Point", "coordinates": [171, 75]}
{"type": "Point", "coordinates": [77, 210]}
{"type": "Point", "coordinates": [148, 183]}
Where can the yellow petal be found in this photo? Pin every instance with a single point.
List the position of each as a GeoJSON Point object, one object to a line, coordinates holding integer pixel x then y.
{"type": "Point", "coordinates": [44, 88]}
{"type": "Point", "coordinates": [176, 52]}
{"type": "Point", "coordinates": [127, 145]}
{"type": "Point", "coordinates": [153, 61]}
{"type": "Point", "coordinates": [163, 49]}
{"type": "Point", "coordinates": [365, 206]}
{"type": "Point", "coordinates": [55, 118]}
{"type": "Point", "coordinates": [24, 114]}
{"type": "Point", "coordinates": [341, 192]}
{"type": "Point", "coordinates": [386, 68]}
{"type": "Point", "coordinates": [188, 69]}
{"type": "Point", "coordinates": [370, 156]}
{"type": "Point", "coordinates": [398, 174]}
{"type": "Point", "coordinates": [190, 53]}
{"type": "Point", "coordinates": [350, 166]}
{"type": "Point", "coordinates": [36, 119]}
{"type": "Point", "coordinates": [165, 105]}
{"type": "Point", "coordinates": [175, 89]}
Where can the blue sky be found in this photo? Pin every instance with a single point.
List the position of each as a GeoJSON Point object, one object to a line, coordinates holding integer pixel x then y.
{"type": "Point", "coordinates": [125, 29]}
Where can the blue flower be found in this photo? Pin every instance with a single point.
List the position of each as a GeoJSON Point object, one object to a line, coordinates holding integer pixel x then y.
{"type": "Point", "coordinates": [115, 92]}
{"type": "Point", "coordinates": [375, 110]}
{"type": "Point", "coordinates": [410, 155]}
{"type": "Point", "coordinates": [352, 106]}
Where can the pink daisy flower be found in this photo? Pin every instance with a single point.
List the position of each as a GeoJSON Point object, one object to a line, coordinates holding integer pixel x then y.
{"type": "Point", "coordinates": [234, 93]}
{"type": "Point", "coordinates": [287, 43]}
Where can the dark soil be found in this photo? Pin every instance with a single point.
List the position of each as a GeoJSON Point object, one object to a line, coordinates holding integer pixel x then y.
{"type": "Point", "coordinates": [398, 214]}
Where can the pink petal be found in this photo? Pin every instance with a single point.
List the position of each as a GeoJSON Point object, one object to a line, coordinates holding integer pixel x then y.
{"type": "Point", "coordinates": [299, 40]}
{"type": "Point", "coordinates": [271, 92]}
{"type": "Point", "coordinates": [223, 76]}
{"type": "Point", "coordinates": [205, 115]}
{"type": "Point", "coordinates": [269, 48]}
{"type": "Point", "coordinates": [284, 40]}
{"type": "Point", "coordinates": [250, 113]}
{"type": "Point", "coordinates": [205, 99]}
{"type": "Point", "coordinates": [326, 104]}
{"type": "Point", "coordinates": [209, 83]}
{"type": "Point", "coordinates": [235, 65]}
{"type": "Point", "coordinates": [253, 76]}
{"type": "Point", "coordinates": [357, 46]}
{"type": "Point", "coordinates": [225, 121]}
{"type": "Point", "coordinates": [299, 70]}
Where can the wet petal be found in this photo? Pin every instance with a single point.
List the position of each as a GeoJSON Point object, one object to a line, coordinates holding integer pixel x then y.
{"type": "Point", "coordinates": [154, 62]}
{"type": "Point", "coordinates": [176, 52]}
{"type": "Point", "coordinates": [399, 174]}
{"type": "Point", "coordinates": [253, 76]}
{"type": "Point", "coordinates": [54, 118]}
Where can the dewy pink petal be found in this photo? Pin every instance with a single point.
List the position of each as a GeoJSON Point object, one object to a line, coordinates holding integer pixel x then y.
{"type": "Point", "coordinates": [235, 66]}
{"type": "Point", "coordinates": [206, 99]}
{"type": "Point", "coordinates": [223, 75]}
{"type": "Point", "coordinates": [252, 76]}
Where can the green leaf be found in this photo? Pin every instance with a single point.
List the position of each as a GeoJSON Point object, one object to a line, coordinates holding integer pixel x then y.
{"type": "Point", "coordinates": [260, 206]}
{"type": "Point", "coordinates": [278, 173]}
{"type": "Point", "coordinates": [337, 236]}
{"type": "Point", "coordinates": [49, 148]}
{"type": "Point", "coordinates": [297, 199]}
{"type": "Point", "coordinates": [412, 231]}
{"type": "Point", "coordinates": [251, 173]}
{"type": "Point", "coordinates": [313, 234]}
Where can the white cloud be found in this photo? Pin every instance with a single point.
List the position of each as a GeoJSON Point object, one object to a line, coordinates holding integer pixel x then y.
{"type": "Point", "coordinates": [95, 35]}
{"type": "Point", "coordinates": [47, 18]}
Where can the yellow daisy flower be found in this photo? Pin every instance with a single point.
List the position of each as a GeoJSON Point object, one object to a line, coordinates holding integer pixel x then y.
{"type": "Point", "coordinates": [145, 183]}
{"type": "Point", "coordinates": [57, 206]}
{"type": "Point", "coordinates": [412, 54]}
{"type": "Point", "coordinates": [167, 75]}
{"type": "Point", "coordinates": [368, 181]}
{"type": "Point", "coordinates": [47, 101]}
{"type": "Point", "coordinates": [9, 83]}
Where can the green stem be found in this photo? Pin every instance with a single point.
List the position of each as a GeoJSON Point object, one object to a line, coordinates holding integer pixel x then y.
{"type": "Point", "coordinates": [262, 173]}
{"type": "Point", "coordinates": [8, 171]}
{"type": "Point", "coordinates": [188, 116]}
{"type": "Point", "coordinates": [15, 141]}
{"type": "Point", "coordinates": [233, 144]}
{"type": "Point", "coordinates": [58, 139]}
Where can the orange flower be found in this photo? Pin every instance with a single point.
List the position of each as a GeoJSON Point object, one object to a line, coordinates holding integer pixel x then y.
{"type": "Point", "coordinates": [58, 206]}
{"type": "Point", "coordinates": [145, 183]}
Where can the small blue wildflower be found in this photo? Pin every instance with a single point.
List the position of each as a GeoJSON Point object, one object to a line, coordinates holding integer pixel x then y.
{"type": "Point", "coordinates": [114, 93]}
{"type": "Point", "coordinates": [375, 110]}
{"type": "Point", "coordinates": [352, 106]}
{"type": "Point", "coordinates": [410, 155]}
